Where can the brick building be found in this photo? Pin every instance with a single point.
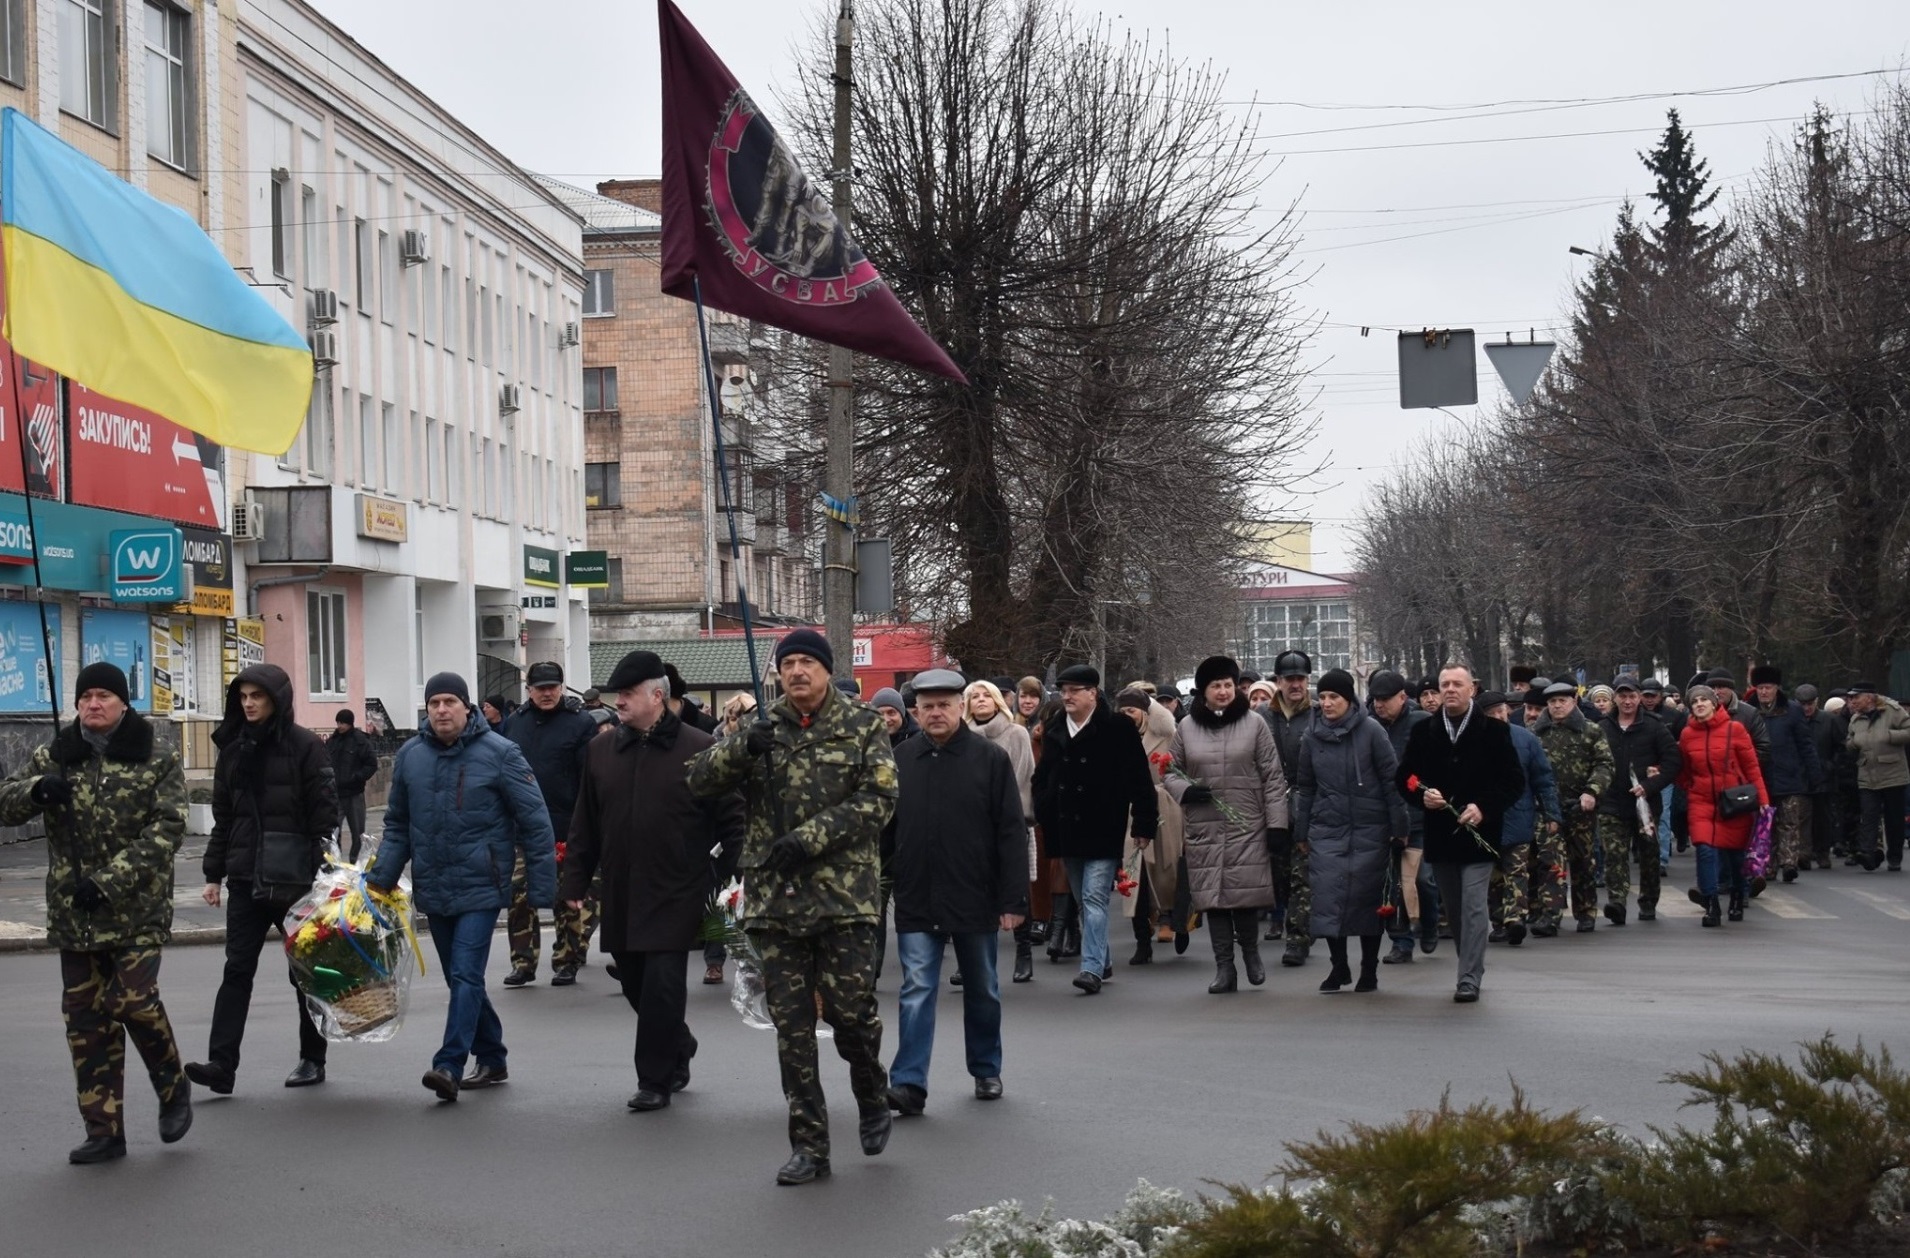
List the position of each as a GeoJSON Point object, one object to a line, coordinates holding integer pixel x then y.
{"type": "Point", "coordinates": [651, 496]}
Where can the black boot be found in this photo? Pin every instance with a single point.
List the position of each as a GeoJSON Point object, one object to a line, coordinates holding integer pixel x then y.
{"type": "Point", "coordinates": [1024, 961]}
{"type": "Point", "coordinates": [1247, 931]}
{"type": "Point", "coordinates": [1071, 937]}
{"type": "Point", "coordinates": [1340, 974]}
{"type": "Point", "coordinates": [1296, 951]}
{"type": "Point", "coordinates": [1220, 928]}
{"type": "Point", "coordinates": [1058, 925]}
{"type": "Point", "coordinates": [1712, 913]}
{"type": "Point", "coordinates": [1369, 964]}
{"type": "Point", "coordinates": [1735, 913]}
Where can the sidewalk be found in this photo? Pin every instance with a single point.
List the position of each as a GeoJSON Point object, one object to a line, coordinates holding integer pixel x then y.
{"type": "Point", "coordinates": [23, 892]}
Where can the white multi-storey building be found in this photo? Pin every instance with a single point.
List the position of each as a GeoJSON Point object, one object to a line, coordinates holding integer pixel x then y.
{"type": "Point", "coordinates": [423, 519]}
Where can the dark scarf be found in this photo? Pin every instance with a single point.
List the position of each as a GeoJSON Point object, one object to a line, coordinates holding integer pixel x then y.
{"type": "Point", "coordinates": [662, 734]}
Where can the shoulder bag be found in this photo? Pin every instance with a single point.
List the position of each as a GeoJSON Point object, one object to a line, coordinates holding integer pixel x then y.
{"type": "Point", "coordinates": [1739, 800]}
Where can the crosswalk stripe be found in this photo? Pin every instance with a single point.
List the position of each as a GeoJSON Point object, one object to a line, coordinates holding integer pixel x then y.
{"type": "Point", "coordinates": [1889, 904]}
{"type": "Point", "coordinates": [1776, 902]}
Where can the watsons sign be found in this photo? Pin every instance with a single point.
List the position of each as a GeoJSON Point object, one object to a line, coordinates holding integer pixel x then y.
{"type": "Point", "coordinates": [118, 431]}
{"type": "Point", "coordinates": [16, 540]}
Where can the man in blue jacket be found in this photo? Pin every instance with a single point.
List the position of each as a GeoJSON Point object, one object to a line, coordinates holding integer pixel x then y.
{"type": "Point", "coordinates": [463, 805]}
{"type": "Point", "coordinates": [1793, 770]}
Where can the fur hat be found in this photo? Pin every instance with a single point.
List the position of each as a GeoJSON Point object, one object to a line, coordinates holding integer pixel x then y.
{"type": "Point", "coordinates": [1216, 668]}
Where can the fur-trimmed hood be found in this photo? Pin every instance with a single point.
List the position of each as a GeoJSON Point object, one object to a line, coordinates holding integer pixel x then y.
{"type": "Point", "coordinates": [1207, 718]}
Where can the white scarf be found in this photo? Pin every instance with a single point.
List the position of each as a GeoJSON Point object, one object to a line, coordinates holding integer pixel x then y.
{"type": "Point", "coordinates": [1464, 721]}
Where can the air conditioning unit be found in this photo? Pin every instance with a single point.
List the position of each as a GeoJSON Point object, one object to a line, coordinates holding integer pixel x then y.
{"type": "Point", "coordinates": [510, 399]}
{"type": "Point", "coordinates": [414, 247]}
{"type": "Point", "coordinates": [325, 349]}
{"type": "Point", "coordinates": [573, 334]}
{"type": "Point", "coordinates": [324, 307]}
{"type": "Point", "coordinates": [498, 624]}
{"type": "Point", "coordinates": [248, 522]}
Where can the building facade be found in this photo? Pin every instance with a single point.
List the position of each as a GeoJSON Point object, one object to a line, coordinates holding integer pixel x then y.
{"type": "Point", "coordinates": [424, 517]}
{"type": "Point", "coordinates": [653, 504]}
{"type": "Point", "coordinates": [1284, 608]}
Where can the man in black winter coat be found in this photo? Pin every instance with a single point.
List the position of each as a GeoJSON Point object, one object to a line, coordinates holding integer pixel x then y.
{"type": "Point", "coordinates": [354, 763]}
{"type": "Point", "coordinates": [961, 874]}
{"type": "Point", "coordinates": [1418, 902]}
{"type": "Point", "coordinates": [554, 740]}
{"type": "Point", "coordinates": [273, 776]}
{"type": "Point", "coordinates": [1646, 761]}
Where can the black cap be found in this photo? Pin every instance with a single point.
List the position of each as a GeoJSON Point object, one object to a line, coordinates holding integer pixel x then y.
{"type": "Point", "coordinates": [634, 669]}
{"type": "Point", "coordinates": [100, 675]}
{"type": "Point", "coordinates": [1293, 664]}
{"type": "Point", "coordinates": [1624, 681]}
{"type": "Point", "coordinates": [1651, 686]}
{"type": "Point", "coordinates": [447, 684]}
{"type": "Point", "coordinates": [1721, 677]}
{"type": "Point", "coordinates": [1384, 684]}
{"type": "Point", "coordinates": [1337, 681]}
{"type": "Point", "coordinates": [1491, 699]}
{"type": "Point", "coordinates": [545, 673]}
{"type": "Point", "coordinates": [1079, 675]}
{"type": "Point", "coordinates": [679, 689]}
{"type": "Point", "coordinates": [806, 642]}
{"type": "Point", "coordinates": [1805, 693]}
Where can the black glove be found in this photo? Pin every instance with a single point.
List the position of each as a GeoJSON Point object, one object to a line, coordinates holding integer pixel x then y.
{"type": "Point", "coordinates": [49, 791]}
{"type": "Point", "coordinates": [1278, 839]}
{"type": "Point", "coordinates": [784, 855]}
{"type": "Point", "coordinates": [87, 894]}
{"type": "Point", "coordinates": [1196, 794]}
{"type": "Point", "coordinates": [761, 737]}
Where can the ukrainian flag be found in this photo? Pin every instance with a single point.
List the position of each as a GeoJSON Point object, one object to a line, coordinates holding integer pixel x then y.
{"type": "Point", "coordinates": [126, 295]}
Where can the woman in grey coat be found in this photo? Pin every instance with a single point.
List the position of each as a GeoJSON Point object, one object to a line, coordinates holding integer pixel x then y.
{"type": "Point", "coordinates": [1347, 817]}
{"type": "Point", "coordinates": [1227, 778]}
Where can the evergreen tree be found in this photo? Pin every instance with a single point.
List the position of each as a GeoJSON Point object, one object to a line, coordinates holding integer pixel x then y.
{"type": "Point", "coordinates": [1682, 190]}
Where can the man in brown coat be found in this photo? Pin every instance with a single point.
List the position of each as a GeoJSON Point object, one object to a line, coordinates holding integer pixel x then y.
{"type": "Point", "coordinates": [637, 822]}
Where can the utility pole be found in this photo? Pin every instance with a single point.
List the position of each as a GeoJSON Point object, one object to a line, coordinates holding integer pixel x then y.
{"type": "Point", "coordinates": [838, 554]}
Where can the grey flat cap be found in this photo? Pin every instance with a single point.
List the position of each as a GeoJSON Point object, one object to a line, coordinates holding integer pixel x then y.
{"type": "Point", "coordinates": [939, 681]}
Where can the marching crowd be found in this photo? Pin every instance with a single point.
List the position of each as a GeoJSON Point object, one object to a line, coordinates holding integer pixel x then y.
{"type": "Point", "coordinates": [1291, 810]}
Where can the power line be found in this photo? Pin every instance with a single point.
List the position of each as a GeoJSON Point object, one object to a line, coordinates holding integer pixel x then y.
{"type": "Point", "coordinates": [1555, 135]}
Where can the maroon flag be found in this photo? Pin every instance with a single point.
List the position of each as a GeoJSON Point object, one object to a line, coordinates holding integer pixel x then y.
{"type": "Point", "coordinates": [741, 217]}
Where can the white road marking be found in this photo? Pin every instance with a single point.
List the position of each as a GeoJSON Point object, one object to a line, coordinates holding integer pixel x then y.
{"type": "Point", "coordinates": [1889, 904]}
{"type": "Point", "coordinates": [1782, 905]}
{"type": "Point", "coordinates": [20, 930]}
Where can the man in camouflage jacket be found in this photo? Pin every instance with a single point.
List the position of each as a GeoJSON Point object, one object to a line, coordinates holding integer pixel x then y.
{"type": "Point", "coordinates": [819, 782]}
{"type": "Point", "coordinates": [114, 803]}
{"type": "Point", "coordinates": [1582, 762]}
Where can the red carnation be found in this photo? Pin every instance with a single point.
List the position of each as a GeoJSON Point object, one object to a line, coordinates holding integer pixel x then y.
{"type": "Point", "coordinates": [1386, 912]}
{"type": "Point", "coordinates": [1412, 782]}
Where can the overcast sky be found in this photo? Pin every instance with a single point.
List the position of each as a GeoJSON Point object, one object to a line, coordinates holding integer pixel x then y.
{"type": "Point", "coordinates": [1414, 216]}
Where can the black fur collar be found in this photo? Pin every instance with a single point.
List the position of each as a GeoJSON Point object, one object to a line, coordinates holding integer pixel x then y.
{"type": "Point", "coordinates": [1207, 718]}
{"type": "Point", "coordinates": [132, 742]}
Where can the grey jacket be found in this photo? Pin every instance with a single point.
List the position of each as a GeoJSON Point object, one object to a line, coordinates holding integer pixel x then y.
{"type": "Point", "coordinates": [1233, 754]}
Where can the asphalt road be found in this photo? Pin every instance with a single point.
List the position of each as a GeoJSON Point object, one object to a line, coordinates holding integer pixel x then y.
{"type": "Point", "coordinates": [1153, 1078]}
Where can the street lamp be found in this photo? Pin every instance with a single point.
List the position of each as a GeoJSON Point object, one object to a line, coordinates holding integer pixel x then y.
{"type": "Point", "coordinates": [1581, 251]}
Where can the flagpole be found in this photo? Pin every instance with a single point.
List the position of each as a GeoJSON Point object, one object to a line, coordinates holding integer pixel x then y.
{"type": "Point", "coordinates": [729, 497]}
{"type": "Point", "coordinates": [33, 541]}
{"type": "Point", "coordinates": [838, 554]}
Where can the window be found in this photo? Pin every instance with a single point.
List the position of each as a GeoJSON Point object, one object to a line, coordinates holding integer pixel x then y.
{"type": "Point", "coordinates": [281, 224]}
{"type": "Point", "coordinates": [452, 462]}
{"type": "Point", "coordinates": [600, 388]}
{"type": "Point", "coordinates": [387, 299]}
{"type": "Point", "coordinates": [89, 69]}
{"type": "Point", "coordinates": [603, 484]}
{"type": "Point", "coordinates": [325, 641]}
{"type": "Point", "coordinates": [477, 476]}
{"type": "Point", "coordinates": [367, 444]}
{"type": "Point", "coordinates": [394, 441]}
{"type": "Point", "coordinates": [434, 452]}
{"type": "Point", "coordinates": [1322, 630]}
{"type": "Point", "coordinates": [490, 328]}
{"type": "Point", "coordinates": [429, 296]}
{"type": "Point", "coordinates": [447, 307]}
{"type": "Point", "coordinates": [362, 262]}
{"type": "Point", "coordinates": [168, 86]}
{"type": "Point", "coordinates": [600, 294]}
{"type": "Point", "coordinates": [613, 575]}
{"type": "Point", "coordinates": [318, 432]}
{"type": "Point", "coordinates": [417, 632]}
{"type": "Point", "coordinates": [13, 41]}
{"type": "Point", "coordinates": [312, 230]}
{"type": "Point", "coordinates": [470, 317]}
{"type": "Point", "coordinates": [417, 442]}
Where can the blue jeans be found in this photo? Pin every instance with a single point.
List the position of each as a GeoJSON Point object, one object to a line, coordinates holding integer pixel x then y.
{"type": "Point", "coordinates": [1664, 829]}
{"type": "Point", "coordinates": [1092, 882]}
{"type": "Point", "coordinates": [471, 1026]}
{"type": "Point", "coordinates": [1715, 860]}
{"type": "Point", "coordinates": [921, 956]}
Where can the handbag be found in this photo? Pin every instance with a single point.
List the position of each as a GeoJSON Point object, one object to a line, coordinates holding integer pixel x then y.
{"type": "Point", "coordinates": [285, 866]}
{"type": "Point", "coordinates": [1736, 801]}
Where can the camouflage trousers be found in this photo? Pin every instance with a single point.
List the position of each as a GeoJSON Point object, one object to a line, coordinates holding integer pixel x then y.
{"type": "Point", "coordinates": [1579, 835]}
{"type": "Point", "coordinates": [1545, 877]}
{"type": "Point", "coordinates": [110, 996]}
{"type": "Point", "coordinates": [1511, 884]}
{"type": "Point", "coordinates": [1790, 832]}
{"type": "Point", "coordinates": [1625, 840]}
{"type": "Point", "coordinates": [571, 928]}
{"type": "Point", "coordinates": [832, 973]}
{"type": "Point", "coordinates": [1300, 899]}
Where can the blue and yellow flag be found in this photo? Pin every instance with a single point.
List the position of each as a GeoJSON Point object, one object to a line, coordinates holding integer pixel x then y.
{"type": "Point", "coordinates": [126, 295]}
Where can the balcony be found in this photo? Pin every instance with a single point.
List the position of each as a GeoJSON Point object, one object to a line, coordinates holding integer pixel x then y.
{"type": "Point", "coordinates": [729, 343]}
{"type": "Point", "coordinates": [745, 529]}
{"type": "Point", "coordinates": [771, 538]}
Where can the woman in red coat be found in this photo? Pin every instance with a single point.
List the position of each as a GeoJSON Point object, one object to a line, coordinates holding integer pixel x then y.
{"type": "Point", "coordinates": [1717, 755]}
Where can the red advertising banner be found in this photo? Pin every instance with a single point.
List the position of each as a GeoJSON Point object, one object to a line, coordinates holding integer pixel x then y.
{"type": "Point", "coordinates": [125, 458]}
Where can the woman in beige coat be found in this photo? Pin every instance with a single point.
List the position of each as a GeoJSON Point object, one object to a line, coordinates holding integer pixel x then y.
{"type": "Point", "coordinates": [1156, 898]}
{"type": "Point", "coordinates": [1226, 776]}
{"type": "Point", "coordinates": [990, 716]}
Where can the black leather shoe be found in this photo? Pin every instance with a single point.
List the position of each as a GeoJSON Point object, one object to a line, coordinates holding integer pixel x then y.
{"type": "Point", "coordinates": [98, 1149]}
{"type": "Point", "coordinates": [442, 1082]}
{"type": "Point", "coordinates": [175, 1120]}
{"type": "Point", "coordinates": [907, 1100]}
{"type": "Point", "coordinates": [988, 1089]}
{"type": "Point", "coordinates": [1088, 982]}
{"type": "Point", "coordinates": [680, 1077]}
{"type": "Point", "coordinates": [1647, 915]}
{"type": "Point", "coordinates": [1428, 943]}
{"type": "Point", "coordinates": [1615, 914]}
{"type": "Point", "coordinates": [1789, 873]}
{"type": "Point", "coordinates": [1466, 995]}
{"type": "Point", "coordinates": [615, 975]}
{"type": "Point", "coordinates": [1545, 930]}
{"type": "Point", "coordinates": [306, 1073]}
{"type": "Point", "coordinates": [1515, 933]}
{"type": "Point", "coordinates": [485, 1077]}
{"type": "Point", "coordinates": [1587, 925]}
{"type": "Point", "coordinates": [645, 1100]}
{"type": "Point", "coordinates": [803, 1168]}
{"type": "Point", "coordinates": [955, 979]}
{"type": "Point", "coordinates": [1180, 942]}
{"type": "Point", "coordinates": [1402, 954]}
{"type": "Point", "coordinates": [1695, 896]}
{"type": "Point", "coordinates": [1497, 935]}
{"type": "Point", "coordinates": [1143, 953]}
{"type": "Point", "coordinates": [1024, 962]}
{"type": "Point", "coordinates": [1295, 954]}
{"type": "Point", "coordinates": [215, 1079]}
{"type": "Point", "coordinates": [518, 978]}
{"type": "Point", "coordinates": [564, 977]}
{"type": "Point", "coordinates": [874, 1130]}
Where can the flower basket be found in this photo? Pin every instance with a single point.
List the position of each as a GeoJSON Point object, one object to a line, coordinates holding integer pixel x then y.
{"type": "Point", "coordinates": [351, 950]}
